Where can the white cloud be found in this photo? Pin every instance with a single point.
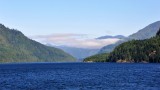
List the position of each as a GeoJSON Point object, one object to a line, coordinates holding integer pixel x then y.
{"type": "Point", "coordinates": [74, 40]}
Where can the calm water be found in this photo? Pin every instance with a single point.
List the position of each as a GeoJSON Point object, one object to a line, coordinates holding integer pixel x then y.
{"type": "Point", "coordinates": [79, 76]}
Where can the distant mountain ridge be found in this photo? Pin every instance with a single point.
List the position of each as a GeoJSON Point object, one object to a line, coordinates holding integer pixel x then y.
{"type": "Point", "coordinates": [79, 53]}
{"type": "Point", "coordinates": [16, 47]}
{"type": "Point", "coordinates": [145, 33]}
{"type": "Point", "coordinates": [108, 36]}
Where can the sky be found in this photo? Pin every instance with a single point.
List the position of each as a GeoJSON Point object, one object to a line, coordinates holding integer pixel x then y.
{"type": "Point", "coordinates": [92, 18]}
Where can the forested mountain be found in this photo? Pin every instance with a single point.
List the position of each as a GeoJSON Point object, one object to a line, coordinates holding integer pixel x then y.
{"type": "Point", "coordinates": [145, 33]}
{"type": "Point", "coordinates": [138, 51]}
{"type": "Point", "coordinates": [16, 47]}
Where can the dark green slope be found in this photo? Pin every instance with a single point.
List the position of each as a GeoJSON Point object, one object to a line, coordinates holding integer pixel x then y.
{"type": "Point", "coordinates": [138, 51]}
{"type": "Point", "coordinates": [15, 47]}
{"type": "Point", "coordinates": [97, 58]}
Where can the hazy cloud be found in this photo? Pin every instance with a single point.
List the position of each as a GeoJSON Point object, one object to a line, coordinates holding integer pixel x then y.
{"type": "Point", "coordinates": [74, 40]}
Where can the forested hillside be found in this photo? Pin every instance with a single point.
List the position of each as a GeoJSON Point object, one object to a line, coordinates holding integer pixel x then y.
{"type": "Point", "coordinates": [16, 47]}
{"type": "Point", "coordinates": [97, 58]}
{"type": "Point", "coordinates": [138, 51]}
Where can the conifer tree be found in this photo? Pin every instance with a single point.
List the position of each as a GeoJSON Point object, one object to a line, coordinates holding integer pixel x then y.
{"type": "Point", "coordinates": [158, 33]}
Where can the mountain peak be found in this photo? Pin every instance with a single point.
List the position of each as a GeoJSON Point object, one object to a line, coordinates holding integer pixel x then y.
{"type": "Point", "coordinates": [147, 32]}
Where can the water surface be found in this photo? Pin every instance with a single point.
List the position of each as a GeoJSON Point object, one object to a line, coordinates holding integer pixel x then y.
{"type": "Point", "coordinates": [79, 76]}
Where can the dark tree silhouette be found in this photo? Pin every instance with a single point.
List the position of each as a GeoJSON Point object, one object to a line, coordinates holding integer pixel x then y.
{"type": "Point", "coordinates": [158, 33]}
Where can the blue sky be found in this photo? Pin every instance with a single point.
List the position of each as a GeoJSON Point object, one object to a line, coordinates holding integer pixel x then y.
{"type": "Point", "coordinates": [92, 17]}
